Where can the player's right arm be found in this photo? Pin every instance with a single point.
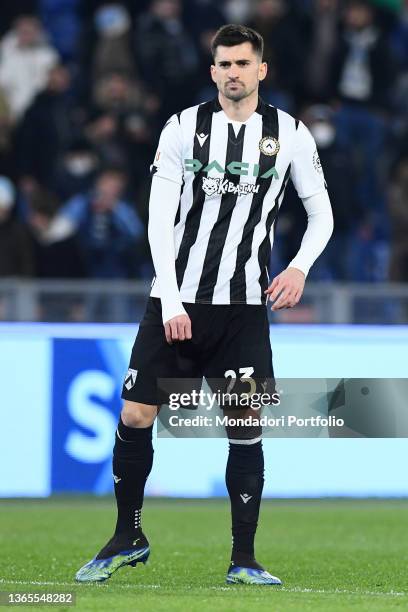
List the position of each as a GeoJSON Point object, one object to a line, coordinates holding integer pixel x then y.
{"type": "Point", "coordinates": [167, 172]}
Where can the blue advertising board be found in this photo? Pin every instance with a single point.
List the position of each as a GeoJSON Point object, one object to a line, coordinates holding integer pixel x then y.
{"type": "Point", "coordinates": [60, 400]}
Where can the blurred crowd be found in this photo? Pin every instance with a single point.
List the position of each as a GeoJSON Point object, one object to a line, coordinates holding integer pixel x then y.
{"type": "Point", "coordinates": [85, 88]}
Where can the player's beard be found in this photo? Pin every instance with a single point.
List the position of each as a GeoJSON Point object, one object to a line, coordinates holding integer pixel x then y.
{"type": "Point", "coordinates": [236, 96]}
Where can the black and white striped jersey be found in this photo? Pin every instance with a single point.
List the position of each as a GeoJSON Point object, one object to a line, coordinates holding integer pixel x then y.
{"type": "Point", "coordinates": [233, 177]}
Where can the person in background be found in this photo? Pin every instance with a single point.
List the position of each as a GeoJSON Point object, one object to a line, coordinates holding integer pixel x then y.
{"type": "Point", "coordinates": [398, 208]}
{"type": "Point", "coordinates": [112, 49]}
{"type": "Point", "coordinates": [25, 61]}
{"type": "Point", "coordinates": [363, 72]}
{"type": "Point", "coordinates": [322, 35]}
{"type": "Point", "coordinates": [107, 227]}
{"type": "Point", "coordinates": [283, 51]}
{"type": "Point", "coordinates": [52, 258]}
{"type": "Point", "coordinates": [76, 170]}
{"type": "Point", "coordinates": [48, 120]}
{"type": "Point", "coordinates": [335, 262]}
{"type": "Point", "coordinates": [363, 68]}
{"type": "Point", "coordinates": [7, 165]}
{"type": "Point", "coordinates": [166, 54]}
{"type": "Point", "coordinates": [15, 249]}
{"type": "Point", "coordinates": [122, 122]}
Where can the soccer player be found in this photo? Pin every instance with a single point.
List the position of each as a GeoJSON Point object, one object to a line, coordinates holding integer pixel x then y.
{"type": "Point", "coordinates": [219, 177]}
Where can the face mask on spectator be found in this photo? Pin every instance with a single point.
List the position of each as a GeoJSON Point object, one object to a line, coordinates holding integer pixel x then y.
{"type": "Point", "coordinates": [324, 133]}
{"type": "Point", "coordinates": [112, 20]}
{"type": "Point", "coordinates": [79, 165]}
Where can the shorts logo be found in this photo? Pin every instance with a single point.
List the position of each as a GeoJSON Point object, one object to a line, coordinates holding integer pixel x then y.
{"type": "Point", "coordinates": [245, 497]}
{"type": "Point", "coordinates": [269, 146]}
{"type": "Point", "coordinates": [218, 186]}
{"type": "Point", "coordinates": [130, 378]}
{"type": "Point", "coordinates": [317, 163]}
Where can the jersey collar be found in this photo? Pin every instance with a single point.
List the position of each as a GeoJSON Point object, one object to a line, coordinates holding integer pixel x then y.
{"type": "Point", "coordinates": [261, 109]}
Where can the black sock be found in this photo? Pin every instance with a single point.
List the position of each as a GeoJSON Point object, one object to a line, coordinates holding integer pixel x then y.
{"type": "Point", "coordinates": [244, 479]}
{"type": "Point", "coordinates": [132, 463]}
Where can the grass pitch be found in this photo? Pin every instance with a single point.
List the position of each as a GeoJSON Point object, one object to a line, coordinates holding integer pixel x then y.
{"type": "Point", "coordinates": [331, 555]}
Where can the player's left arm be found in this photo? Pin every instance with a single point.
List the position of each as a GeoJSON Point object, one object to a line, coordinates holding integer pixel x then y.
{"type": "Point", "coordinates": [287, 287]}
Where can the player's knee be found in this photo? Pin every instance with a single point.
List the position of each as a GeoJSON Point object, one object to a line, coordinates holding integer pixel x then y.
{"type": "Point", "coordinates": [246, 433]}
{"type": "Point", "coordinates": [135, 414]}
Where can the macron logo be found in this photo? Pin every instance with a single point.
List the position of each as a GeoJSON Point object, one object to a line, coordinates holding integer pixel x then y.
{"type": "Point", "coordinates": [116, 479]}
{"type": "Point", "coordinates": [245, 497]}
{"type": "Point", "coordinates": [201, 138]}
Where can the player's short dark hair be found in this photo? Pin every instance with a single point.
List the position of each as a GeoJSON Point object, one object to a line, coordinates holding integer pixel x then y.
{"type": "Point", "coordinates": [234, 34]}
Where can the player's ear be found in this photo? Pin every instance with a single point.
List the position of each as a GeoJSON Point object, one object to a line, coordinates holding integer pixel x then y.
{"type": "Point", "coordinates": [263, 70]}
{"type": "Point", "coordinates": [212, 70]}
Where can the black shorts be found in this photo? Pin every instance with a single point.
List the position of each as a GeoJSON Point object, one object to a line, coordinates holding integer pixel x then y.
{"type": "Point", "coordinates": [225, 338]}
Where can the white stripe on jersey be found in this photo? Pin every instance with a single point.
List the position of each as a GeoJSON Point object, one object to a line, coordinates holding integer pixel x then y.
{"type": "Point", "coordinates": [186, 198]}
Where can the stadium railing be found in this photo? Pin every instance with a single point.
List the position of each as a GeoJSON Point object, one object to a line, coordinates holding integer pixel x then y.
{"type": "Point", "coordinates": [124, 301]}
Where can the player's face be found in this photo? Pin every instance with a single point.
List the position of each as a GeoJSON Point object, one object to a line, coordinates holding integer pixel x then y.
{"type": "Point", "coordinates": [237, 71]}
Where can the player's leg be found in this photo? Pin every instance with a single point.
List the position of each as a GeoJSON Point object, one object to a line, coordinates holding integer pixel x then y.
{"type": "Point", "coordinates": [245, 479]}
{"type": "Point", "coordinates": [151, 358]}
{"type": "Point", "coordinates": [244, 352]}
{"type": "Point", "coordinates": [132, 463]}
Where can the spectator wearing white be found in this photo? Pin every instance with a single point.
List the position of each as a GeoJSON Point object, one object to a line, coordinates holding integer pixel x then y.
{"type": "Point", "coordinates": [25, 61]}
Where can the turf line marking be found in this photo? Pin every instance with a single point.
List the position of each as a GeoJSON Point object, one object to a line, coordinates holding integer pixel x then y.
{"type": "Point", "coordinates": [345, 592]}
{"type": "Point", "coordinates": [78, 584]}
{"type": "Point", "coordinates": [214, 588]}
{"type": "Point", "coordinates": [327, 592]}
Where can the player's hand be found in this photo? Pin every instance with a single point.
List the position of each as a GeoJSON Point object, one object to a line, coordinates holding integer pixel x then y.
{"type": "Point", "coordinates": [178, 328]}
{"type": "Point", "coordinates": [288, 285]}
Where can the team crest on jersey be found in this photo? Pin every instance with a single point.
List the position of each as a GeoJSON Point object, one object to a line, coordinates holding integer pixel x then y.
{"type": "Point", "coordinates": [269, 145]}
{"type": "Point", "coordinates": [130, 378]}
{"type": "Point", "coordinates": [218, 186]}
{"type": "Point", "coordinates": [317, 163]}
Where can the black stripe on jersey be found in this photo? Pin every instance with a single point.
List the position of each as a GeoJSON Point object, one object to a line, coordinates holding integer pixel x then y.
{"type": "Point", "coordinates": [265, 246]}
{"type": "Point", "coordinates": [178, 213]}
{"type": "Point", "coordinates": [219, 231]}
{"type": "Point", "coordinates": [297, 123]}
{"type": "Point", "coordinates": [192, 224]}
{"type": "Point", "coordinates": [270, 127]}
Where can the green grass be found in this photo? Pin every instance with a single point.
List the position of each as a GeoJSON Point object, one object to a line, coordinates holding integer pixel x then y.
{"type": "Point", "coordinates": [332, 555]}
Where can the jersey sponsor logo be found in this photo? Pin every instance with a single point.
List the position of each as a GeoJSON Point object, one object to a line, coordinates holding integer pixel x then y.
{"type": "Point", "coordinates": [317, 163]}
{"type": "Point", "coordinates": [234, 167]}
{"type": "Point", "coordinates": [202, 138]}
{"type": "Point", "coordinates": [217, 186]}
{"type": "Point", "coordinates": [130, 378]}
{"type": "Point", "coordinates": [269, 145]}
